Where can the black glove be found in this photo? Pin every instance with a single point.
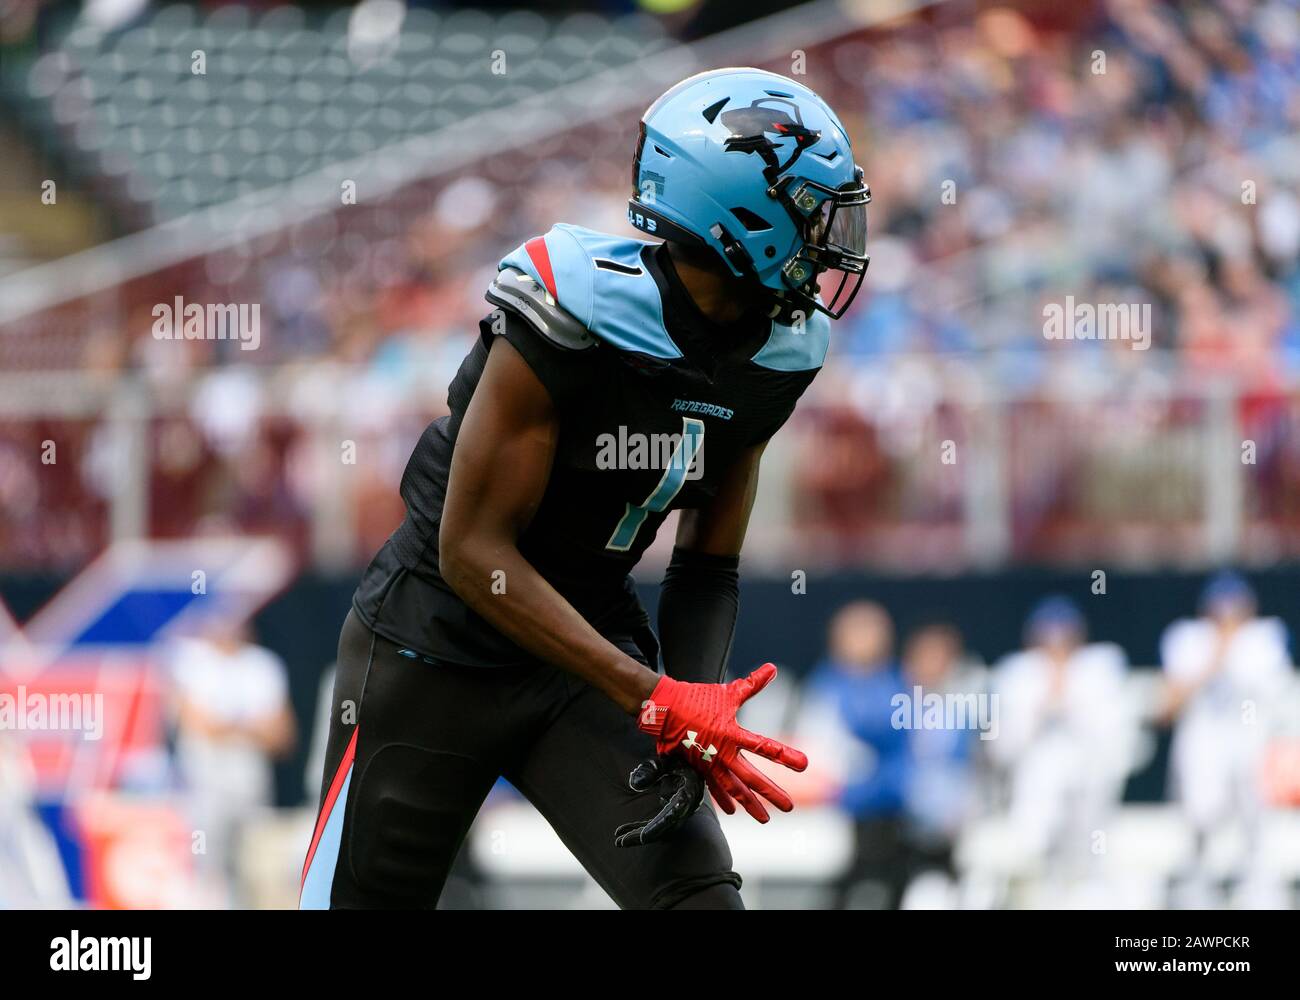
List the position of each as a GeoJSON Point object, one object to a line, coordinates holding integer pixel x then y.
{"type": "Point", "coordinates": [681, 790]}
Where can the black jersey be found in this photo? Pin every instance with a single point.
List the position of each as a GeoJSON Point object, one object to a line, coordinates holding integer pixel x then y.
{"type": "Point", "coordinates": [655, 403]}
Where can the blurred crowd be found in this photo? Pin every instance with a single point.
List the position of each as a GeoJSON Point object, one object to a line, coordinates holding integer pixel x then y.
{"type": "Point", "coordinates": [1146, 157]}
{"type": "Point", "coordinates": [1125, 151]}
{"type": "Point", "coordinates": [923, 746]}
{"type": "Point", "coordinates": [1140, 152]}
{"type": "Point", "coordinates": [1142, 159]}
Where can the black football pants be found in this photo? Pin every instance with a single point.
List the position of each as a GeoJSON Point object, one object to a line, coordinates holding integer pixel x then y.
{"type": "Point", "coordinates": [415, 746]}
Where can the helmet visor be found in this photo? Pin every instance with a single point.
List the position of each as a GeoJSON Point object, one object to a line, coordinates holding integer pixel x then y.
{"type": "Point", "coordinates": [846, 228]}
{"type": "Point", "coordinates": [839, 222]}
{"type": "Point", "coordinates": [835, 240]}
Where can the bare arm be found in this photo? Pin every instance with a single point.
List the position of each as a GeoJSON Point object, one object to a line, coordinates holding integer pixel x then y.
{"type": "Point", "coordinates": [1178, 692]}
{"type": "Point", "coordinates": [273, 733]}
{"type": "Point", "coordinates": [499, 473]}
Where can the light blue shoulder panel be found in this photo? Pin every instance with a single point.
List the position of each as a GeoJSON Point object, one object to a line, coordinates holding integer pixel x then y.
{"type": "Point", "coordinates": [600, 280]}
{"type": "Point", "coordinates": [790, 350]}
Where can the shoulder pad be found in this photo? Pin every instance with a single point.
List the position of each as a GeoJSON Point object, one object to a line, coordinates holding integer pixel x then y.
{"type": "Point", "coordinates": [598, 280]}
{"type": "Point", "coordinates": [523, 294]}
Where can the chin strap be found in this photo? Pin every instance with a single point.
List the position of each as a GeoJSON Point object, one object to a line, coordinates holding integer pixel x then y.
{"type": "Point", "coordinates": [783, 304]}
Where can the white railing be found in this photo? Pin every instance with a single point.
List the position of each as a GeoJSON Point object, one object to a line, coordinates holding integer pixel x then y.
{"type": "Point", "coordinates": [976, 466]}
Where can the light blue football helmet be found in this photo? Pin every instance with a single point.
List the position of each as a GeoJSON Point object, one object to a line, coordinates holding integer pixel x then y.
{"type": "Point", "coordinates": [759, 168]}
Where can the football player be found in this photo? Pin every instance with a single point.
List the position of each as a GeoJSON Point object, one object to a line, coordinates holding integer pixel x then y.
{"type": "Point", "coordinates": [497, 632]}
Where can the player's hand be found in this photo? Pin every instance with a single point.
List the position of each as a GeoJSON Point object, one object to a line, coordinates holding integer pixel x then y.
{"type": "Point", "coordinates": [697, 722]}
{"type": "Point", "coordinates": [681, 790]}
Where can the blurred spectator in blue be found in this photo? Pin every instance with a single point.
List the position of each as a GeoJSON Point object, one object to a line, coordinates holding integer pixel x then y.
{"type": "Point", "coordinates": [905, 783]}
{"type": "Point", "coordinates": [847, 712]}
{"type": "Point", "coordinates": [940, 788]}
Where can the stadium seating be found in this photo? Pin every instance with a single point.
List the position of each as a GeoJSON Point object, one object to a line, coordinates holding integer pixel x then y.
{"type": "Point", "coordinates": [282, 94]}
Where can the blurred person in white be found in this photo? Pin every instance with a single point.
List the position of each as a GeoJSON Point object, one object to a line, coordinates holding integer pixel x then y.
{"type": "Point", "coordinates": [233, 718]}
{"type": "Point", "coordinates": [31, 874]}
{"type": "Point", "coordinates": [1065, 736]}
{"type": "Point", "coordinates": [1226, 672]}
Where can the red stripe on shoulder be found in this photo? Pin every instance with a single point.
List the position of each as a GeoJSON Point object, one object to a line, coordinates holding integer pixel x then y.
{"type": "Point", "coordinates": [541, 258]}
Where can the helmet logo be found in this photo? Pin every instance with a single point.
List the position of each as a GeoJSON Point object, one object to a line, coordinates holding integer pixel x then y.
{"type": "Point", "coordinates": [751, 126]}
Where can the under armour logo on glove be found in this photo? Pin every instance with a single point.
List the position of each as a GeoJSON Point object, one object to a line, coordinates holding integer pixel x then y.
{"type": "Point", "coordinates": [692, 744]}
{"type": "Point", "coordinates": [684, 717]}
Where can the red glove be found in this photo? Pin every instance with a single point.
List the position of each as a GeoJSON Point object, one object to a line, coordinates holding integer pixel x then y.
{"type": "Point", "coordinates": [698, 721]}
